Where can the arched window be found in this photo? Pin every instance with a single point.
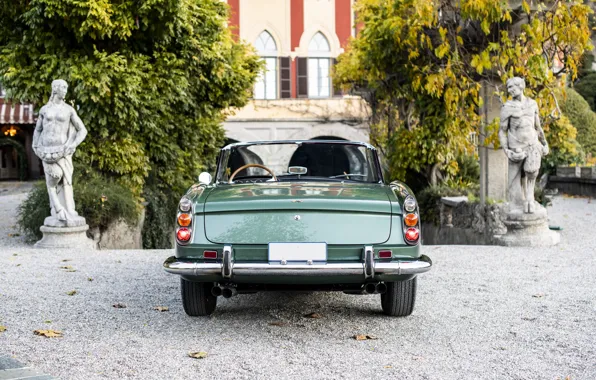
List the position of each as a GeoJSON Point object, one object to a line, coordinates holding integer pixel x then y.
{"type": "Point", "coordinates": [319, 81]}
{"type": "Point", "coordinates": [266, 86]}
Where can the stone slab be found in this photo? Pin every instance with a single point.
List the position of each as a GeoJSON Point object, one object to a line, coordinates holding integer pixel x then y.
{"type": "Point", "coordinates": [23, 373]}
{"type": "Point", "coordinates": [6, 362]}
{"type": "Point", "coordinates": [453, 201]}
{"type": "Point", "coordinates": [569, 171]}
{"type": "Point", "coordinates": [588, 172]}
{"type": "Point", "coordinates": [498, 169]}
{"type": "Point", "coordinates": [65, 238]}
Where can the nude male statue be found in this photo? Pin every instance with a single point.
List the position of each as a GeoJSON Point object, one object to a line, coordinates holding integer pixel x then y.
{"type": "Point", "coordinates": [523, 140]}
{"type": "Point", "coordinates": [58, 132]}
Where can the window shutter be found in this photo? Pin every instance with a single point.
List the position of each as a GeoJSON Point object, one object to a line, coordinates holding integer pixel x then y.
{"type": "Point", "coordinates": [302, 77]}
{"type": "Point", "coordinates": [285, 85]}
{"type": "Point", "coordinates": [336, 89]}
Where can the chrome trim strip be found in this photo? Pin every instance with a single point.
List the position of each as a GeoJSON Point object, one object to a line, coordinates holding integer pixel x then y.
{"type": "Point", "coordinates": [227, 262]}
{"type": "Point", "coordinates": [189, 268]}
{"type": "Point", "coordinates": [369, 262]}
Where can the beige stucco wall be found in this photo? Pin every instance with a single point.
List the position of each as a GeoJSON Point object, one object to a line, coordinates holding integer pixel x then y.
{"type": "Point", "coordinates": [270, 15]}
{"type": "Point", "coordinates": [319, 16]}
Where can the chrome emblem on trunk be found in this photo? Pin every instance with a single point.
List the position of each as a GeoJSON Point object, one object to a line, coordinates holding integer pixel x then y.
{"type": "Point", "coordinates": [296, 217]}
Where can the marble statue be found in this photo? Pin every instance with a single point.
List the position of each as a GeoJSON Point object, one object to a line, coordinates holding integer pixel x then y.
{"type": "Point", "coordinates": [523, 141]}
{"type": "Point", "coordinates": [58, 132]}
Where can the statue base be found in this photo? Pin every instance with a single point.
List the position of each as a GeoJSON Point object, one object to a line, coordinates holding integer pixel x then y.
{"type": "Point", "coordinates": [527, 230]}
{"type": "Point", "coordinates": [65, 238]}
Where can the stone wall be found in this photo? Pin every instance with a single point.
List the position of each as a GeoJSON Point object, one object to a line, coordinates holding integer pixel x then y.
{"type": "Point", "coordinates": [120, 235]}
{"type": "Point", "coordinates": [465, 224]}
{"type": "Point", "coordinates": [574, 181]}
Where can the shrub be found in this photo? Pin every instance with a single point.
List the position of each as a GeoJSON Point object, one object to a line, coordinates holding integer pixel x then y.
{"type": "Point", "coordinates": [586, 87]}
{"type": "Point", "coordinates": [581, 116]}
{"type": "Point", "coordinates": [564, 148]}
{"type": "Point", "coordinates": [160, 216]}
{"type": "Point", "coordinates": [99, 200]}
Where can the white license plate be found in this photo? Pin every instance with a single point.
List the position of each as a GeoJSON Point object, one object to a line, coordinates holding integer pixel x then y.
{"type": "Point", "coordinates": [298, 252]}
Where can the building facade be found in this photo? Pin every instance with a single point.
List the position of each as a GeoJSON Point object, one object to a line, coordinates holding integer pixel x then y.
{"type": "Point", "coordinates": [294, 98]}
{"type": "Point", "coordinates": [17, 123]}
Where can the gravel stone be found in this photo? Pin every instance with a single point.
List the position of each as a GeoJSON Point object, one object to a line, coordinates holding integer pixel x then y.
{"type": "Point", "coordinates": [482, 312]}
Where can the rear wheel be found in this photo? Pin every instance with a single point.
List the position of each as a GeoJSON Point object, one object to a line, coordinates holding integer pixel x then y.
{"type": "Point", "coordinates": [399, 299]}
{"type": "Point", "coordinates": [197, 298]}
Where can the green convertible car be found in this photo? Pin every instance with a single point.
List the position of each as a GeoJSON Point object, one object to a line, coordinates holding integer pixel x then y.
{"type": "Point", "coordinates": [298, 215]}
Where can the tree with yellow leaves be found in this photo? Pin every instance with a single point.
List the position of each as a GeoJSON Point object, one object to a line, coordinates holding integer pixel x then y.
{"type": "Point", "coordinates": [422, 66]}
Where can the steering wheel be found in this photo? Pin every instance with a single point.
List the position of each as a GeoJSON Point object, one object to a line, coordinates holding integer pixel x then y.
{"type": "Point", "coordinates": [251, 166]}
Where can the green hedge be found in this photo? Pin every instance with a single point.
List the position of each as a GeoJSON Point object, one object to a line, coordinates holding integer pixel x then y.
{"type": "Point", "coordinates": [581, 116]}
{"type": "Point", "coordinates": [586, 87]}
{"type": "Point", "coordinates": [160, 217]}
{"type": "Point", "coordinates": [98, 200]}
{"type": "Point", "coordinates": [429, 199]}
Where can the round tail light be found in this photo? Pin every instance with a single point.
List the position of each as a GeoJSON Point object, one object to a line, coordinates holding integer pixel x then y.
{"type": "Point", "coordinates": [411, 220]}
{"type": "Point", "coordinates": [183, 234]}
{"type": "Point", "coordinates": [184, 220]}
{"type": "Point", "coordinates": [412, 235]}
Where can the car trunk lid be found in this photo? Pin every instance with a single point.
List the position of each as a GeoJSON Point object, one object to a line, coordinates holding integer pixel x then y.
{"type": "Point", "coordinates": [333, 212]}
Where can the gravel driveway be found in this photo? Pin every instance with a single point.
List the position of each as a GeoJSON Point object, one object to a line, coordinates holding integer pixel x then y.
{"type": "Point", "coordinates": [481, 313]}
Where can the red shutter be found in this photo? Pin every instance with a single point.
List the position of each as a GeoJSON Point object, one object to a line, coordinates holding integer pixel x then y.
{"type": "Point", "coordinates": [302, 77]}
{"type": "Point", "coordinates": [285, 81]}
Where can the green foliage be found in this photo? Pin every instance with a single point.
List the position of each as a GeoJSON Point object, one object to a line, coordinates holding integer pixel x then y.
{"type": "Point", "coordinates": [564, 149]}
{"type": "Point", "coordinates": [160, 216]}
{"type": "Point", "coordinates": [581, 116]}
{"type": "Point", "coordinates": [586, 87]}
{"type": "Point", "coordinates": [151, 80]}
{"type": "Point", "coordinates": [421, 66]}
{"type": "Point", "coordinates": [101, 201]}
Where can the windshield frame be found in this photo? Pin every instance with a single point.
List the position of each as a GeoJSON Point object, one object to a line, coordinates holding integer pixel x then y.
{"type": "Point", "coordinates": [226, 151]}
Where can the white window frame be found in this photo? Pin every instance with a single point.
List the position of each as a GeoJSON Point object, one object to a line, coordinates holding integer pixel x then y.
{"type": "Point", "coordinates": [266, 86]}
{"type": "Point", "coordinates": [319, 77]}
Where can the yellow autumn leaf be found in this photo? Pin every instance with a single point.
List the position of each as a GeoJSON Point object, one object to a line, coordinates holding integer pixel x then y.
{"type": "Point", "coordinates": [198, 355]}
{"type": "Point", "coordinates": [48, 333]}
{"type": "Point", "coordinates": [2, 328]}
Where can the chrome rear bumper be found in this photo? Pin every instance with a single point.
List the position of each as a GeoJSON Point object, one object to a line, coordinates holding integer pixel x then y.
{"type": "Point", "coordinates": [366, 269]}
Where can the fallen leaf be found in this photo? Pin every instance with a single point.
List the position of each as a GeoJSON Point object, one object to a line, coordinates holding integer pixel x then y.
{"type": "Point", "coordinates": [47, 321]}
{"type": "Point", "coordinates": [16, 254]}
{"type": "Point", "coordinates": [18, 265]}
{"type": "Point", "coordinates": [13, 235]}
{"type": "Point", "coordinates": [161, 308]}
{"type": "Point", "coordinates": [388, 366]}
{"type": "Point", "coordinates": [119, 305]}
{"type": "Point", "coordinates": [313, 315]}
{"type": "Point", "coordinates": [365, 337]}
{"type": "Point", "coordinates": [198, 355]}
{"type": "Point", "coordinates": [2, 328]}
{"type": "Point", "coordinates": [89, 279]}
{"type": "Point", "coordinates": [72, 292]}
{"type": "Point", "coordinates": [48, 333]}
{"type": "Point", "coordinates": [66, 267]}
{"type": "Point", "coordinates": [529, 319]}
{"type": "Point", "coordinates": [277, 323]}
{"type": "Point", "coordinates": [65, 260]}
{"type": "Point", "coordinates": [538, 295]}
{"type": "Point", "coordinates": [70, 270]}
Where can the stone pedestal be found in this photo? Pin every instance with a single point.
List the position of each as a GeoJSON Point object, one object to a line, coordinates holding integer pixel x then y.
{"type": "Point", "coordinates": [527, 230]}
{"type": "Point", "coordinates": [65, 237]}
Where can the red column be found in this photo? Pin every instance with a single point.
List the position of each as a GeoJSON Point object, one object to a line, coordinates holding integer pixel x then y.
{"type": "Point", "coordinates": [296, 30]}
{"type": "Point", "coordinates": [234, 22]}
{"type": "Point", "coordinates": [343, 21]}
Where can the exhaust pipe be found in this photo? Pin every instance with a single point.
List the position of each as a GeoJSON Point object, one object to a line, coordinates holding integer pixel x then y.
{"type": "Point", "coordinates": [381, 288]}
{"type": "Point", "coordinates": [216, 291]}
{"type": "Point", "coordinates": [370, 288]}
{"type": "Point", "coordinates": [229, 292]}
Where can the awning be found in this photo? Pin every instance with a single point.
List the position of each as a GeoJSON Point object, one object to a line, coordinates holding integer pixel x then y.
{"type": "Point", "coordinates": [16, 113]}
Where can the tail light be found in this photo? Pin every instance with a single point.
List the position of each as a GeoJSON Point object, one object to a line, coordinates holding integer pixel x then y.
{"type": "Point", "coordinates": [184, 220]}
{"type": "Point", "coordinates": [412, 235]}
{"type": "Point", "coordinates": [183, 234]}
{"type": "Point", "coordinates": [411, 220]}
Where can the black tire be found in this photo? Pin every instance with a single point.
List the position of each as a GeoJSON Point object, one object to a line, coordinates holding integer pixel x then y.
{"type": "Point", "coordinates": [197, 299]}
{"type": "Point", "coordinates": [399, 299]}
